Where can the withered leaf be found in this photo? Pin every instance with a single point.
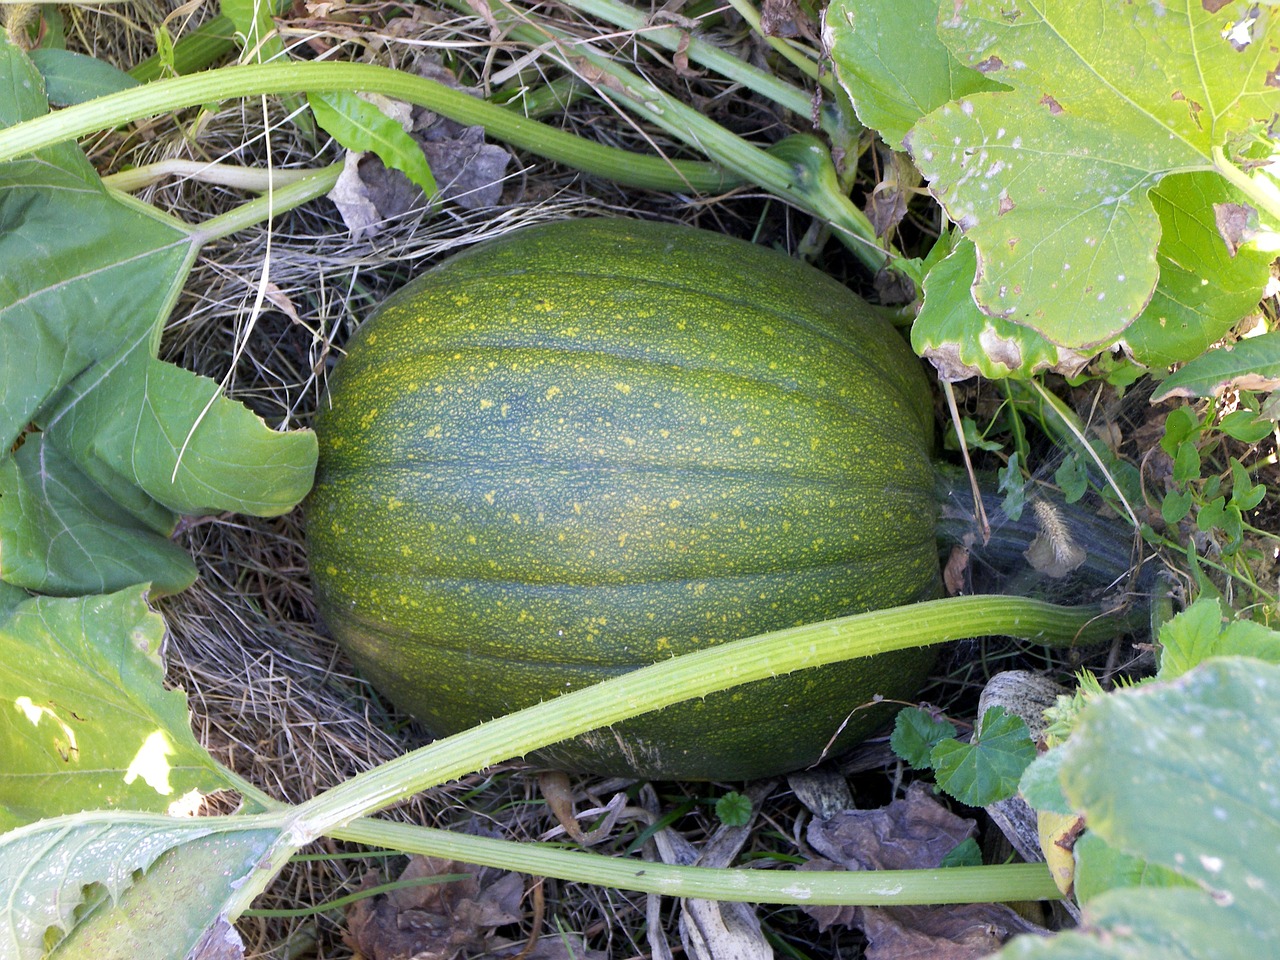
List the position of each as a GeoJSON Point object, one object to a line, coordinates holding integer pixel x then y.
{"type": "Point", "coordinates": [433, 921]}
{"type": "Point", "coordinates": [467, 170]}
{"type": "Point", "coordinates": [914, 832]}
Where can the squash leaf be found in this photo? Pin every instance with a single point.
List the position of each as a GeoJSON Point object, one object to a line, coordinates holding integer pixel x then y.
{"type": "Point", "coordinates": [87, 719]}
{"type": "Point", "coordinates": [1181, 775]}
{"type": "Point", "coordinates": [76, 77]}
{"type": "Point", "coordinates": [73, 882]}
{"type": "Point", "coordinates": [888, 58]}
{"type": "Point", "coordinates": [102, 445]}
{"type": "Point", "coordinates": [1204, 288]}
{"type": "Point", "coordinates": [961, 341]}
{"type": "Point", "coordinates": [1050, 179]}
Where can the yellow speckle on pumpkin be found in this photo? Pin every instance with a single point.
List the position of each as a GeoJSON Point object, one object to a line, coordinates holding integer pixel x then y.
{"type": "Point", "coordinates": [486, 404]}
{"type": "Point", "coordinates": [673, 504]}
{"type": "Point", "coordinates": [490, 497]}
{"type": "Point", "coordinates": [623, 388]}
{"type": "Point", "coordinates": [553, 392]}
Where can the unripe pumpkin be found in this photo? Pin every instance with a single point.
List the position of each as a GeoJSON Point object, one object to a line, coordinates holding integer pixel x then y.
{"type": "Point", "coordinates": [591, 445]}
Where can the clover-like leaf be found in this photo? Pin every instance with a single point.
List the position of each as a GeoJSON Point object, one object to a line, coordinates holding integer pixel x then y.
{"type": "Point", "coordinates": [986, 769]}
{"type": "Point", "coordinates": [1051, 178]}
{"type": "Point", "coordinates": [87, 720]}
{"type": "Point", "coordinates": [101, 444]}
{"type": "Point", "coordinates": [915, 733]}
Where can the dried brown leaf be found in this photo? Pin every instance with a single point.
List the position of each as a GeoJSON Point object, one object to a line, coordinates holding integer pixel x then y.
{"type": "Point", "coordinates": [784, 18]}
{"type": "Point", "coordinates": [433, 921]}
{"type": "Point", "coordinates": [915, 832]}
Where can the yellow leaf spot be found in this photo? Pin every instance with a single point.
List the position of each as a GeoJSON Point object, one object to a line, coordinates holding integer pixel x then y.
{"type": "Point", "coordinates": [151, 763]}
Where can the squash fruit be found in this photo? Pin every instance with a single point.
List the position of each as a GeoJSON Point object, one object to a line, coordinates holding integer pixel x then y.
{"type": "Point", "coordinates": [591, 445]}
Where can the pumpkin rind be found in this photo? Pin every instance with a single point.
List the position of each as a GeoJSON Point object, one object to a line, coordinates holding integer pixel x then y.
{"type": "Point", "coordinates": [595, 444]}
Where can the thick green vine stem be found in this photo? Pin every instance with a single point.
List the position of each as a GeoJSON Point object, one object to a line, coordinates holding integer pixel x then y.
{"type": "Point", "coordinates": [696, 675]}
{"type": "Point", "coordinates": [337, 812]}
{"type": "Point", "coordinates": [162, 96]}
{"type": "Point", "coordinates": [997, 883]}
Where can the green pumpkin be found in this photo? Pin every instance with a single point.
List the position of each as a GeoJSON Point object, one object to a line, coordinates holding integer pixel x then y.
{"type": "Point", "coordinates": [595, 444]}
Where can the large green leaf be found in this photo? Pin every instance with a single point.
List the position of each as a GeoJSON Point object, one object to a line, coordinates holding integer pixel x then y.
{"type": "Point", "coordinates": [961, 341]}
{"type": "Point", "coordinates": [78, 876]}
{"type": "Point", "coordinates": [1183, 775]}
{"type": "Point", "coordinates": [889, 60]}
{"type": "Point", "coordinates": [1145, 924]}
{"type": "Point", "coordinates": [1050, 179]}
{"type": "Point", "coordinates": [113, 443]}
{"type": "Point", "coordinates": [1204, 289]}
{"type": "Point", "coordinates": [87, 721]}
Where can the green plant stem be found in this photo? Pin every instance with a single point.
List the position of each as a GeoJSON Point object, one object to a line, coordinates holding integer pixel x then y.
{"type": "Point", "coordinates": [695, 675]}
{"type": "Point", "coordinates": [702, 53]}
{"type": "Point", "coordinates": [1260, 190]}
{"type": "Point", "coordinates": [798, 170]}
{"type": "Point", "coordinates": [1023, 881]}
{"type": "Point", "coordinates": [285, 197]}
{"type": "Point", "coordinates": [644, 172]}
{"type": "Point", "coordinates": [225, 174]}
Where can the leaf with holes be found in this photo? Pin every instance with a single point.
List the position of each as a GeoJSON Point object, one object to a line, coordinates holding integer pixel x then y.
{"type": "Point", "coordinates": [1050, 179]}
{"type": "Point", "coordinates": [89, 721]}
